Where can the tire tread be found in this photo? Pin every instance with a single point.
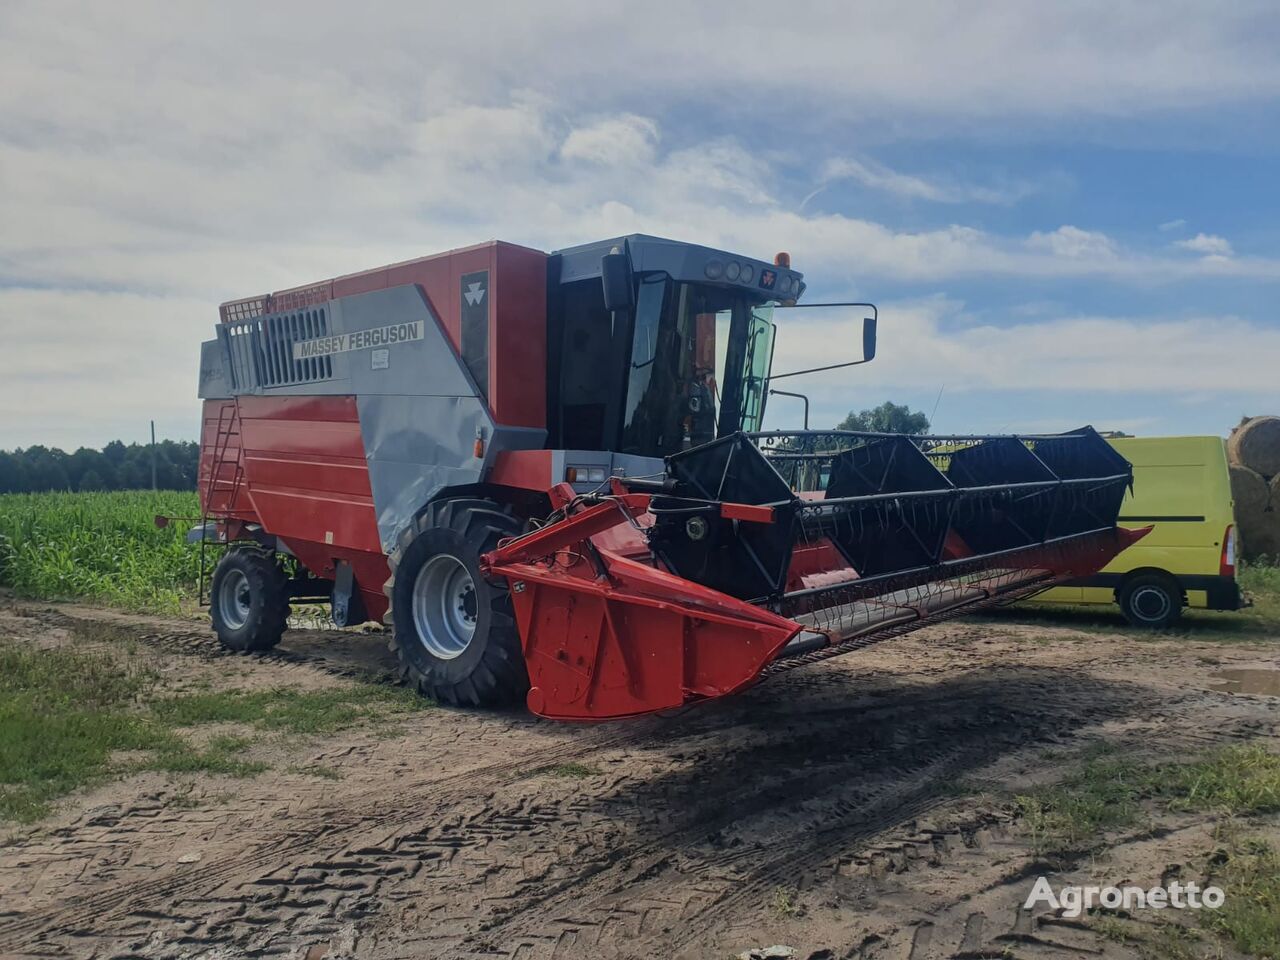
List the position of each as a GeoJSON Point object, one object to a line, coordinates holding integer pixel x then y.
{"type": "Point", "coordinates": [500, 677]}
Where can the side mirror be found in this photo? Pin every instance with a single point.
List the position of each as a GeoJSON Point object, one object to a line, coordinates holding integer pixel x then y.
{"type": "Point", "coordinates": [615, 275]}
{"type": "Point", "coordinates": [868, 337]}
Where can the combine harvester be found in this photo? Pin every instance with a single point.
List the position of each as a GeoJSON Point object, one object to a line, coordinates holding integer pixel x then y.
{"type": "Point", "coordinates": [545, 471]}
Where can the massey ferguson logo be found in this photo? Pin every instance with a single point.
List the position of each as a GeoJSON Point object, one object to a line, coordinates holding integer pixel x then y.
{"type": "Point", "coordinates": [386, 336]}
{"type": "Point", "coordinates": [474, 294]}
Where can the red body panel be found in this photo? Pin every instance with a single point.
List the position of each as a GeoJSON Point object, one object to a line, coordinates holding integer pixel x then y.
{"type": "Point", "coordinates": [524, 469]}
{"type": "Point", "coordinates": [633, 639]}
{"type": "Point", "coordinates": [296, 466]}
{"type": "Point", "coordinates": [517, 315]}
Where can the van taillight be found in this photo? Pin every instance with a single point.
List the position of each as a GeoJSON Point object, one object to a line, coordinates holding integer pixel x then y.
{"type": "Point", "coordinates": [1227, 568]}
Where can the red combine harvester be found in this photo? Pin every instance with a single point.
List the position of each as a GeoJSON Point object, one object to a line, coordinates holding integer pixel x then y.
{"type": "Point", "coordinates": [545, 471]}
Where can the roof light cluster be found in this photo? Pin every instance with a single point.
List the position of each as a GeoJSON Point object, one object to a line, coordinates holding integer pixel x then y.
{"type": "Point", "coordinates": [737, 272]}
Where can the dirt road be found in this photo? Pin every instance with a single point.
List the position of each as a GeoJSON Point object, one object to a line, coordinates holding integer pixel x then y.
{"type": "Point", "coordinates": [857, 808]}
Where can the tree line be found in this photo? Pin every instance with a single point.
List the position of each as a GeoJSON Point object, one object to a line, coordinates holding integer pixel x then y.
{"type": "Point", "coordinates": [116, 466]}
{"type": "Point", "coordinates": [119, 467]}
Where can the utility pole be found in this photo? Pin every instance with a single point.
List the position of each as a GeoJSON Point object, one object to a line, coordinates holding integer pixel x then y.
{"type": "Point", "coordinates": [153, 455]}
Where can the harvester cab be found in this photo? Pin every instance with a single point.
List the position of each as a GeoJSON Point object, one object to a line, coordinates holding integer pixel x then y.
{"type": "Point", "coordinates": [659, 346]}
{"type": "Point", "coordinates": [546, 473]}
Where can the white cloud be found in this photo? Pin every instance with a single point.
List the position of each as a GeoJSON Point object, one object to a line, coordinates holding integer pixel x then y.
{"type": "Point", "coordinates": [623, 141]}
{"type": "Point", "coordinates": [1171, 225]}
{"type": "Point", "coordinates": [1208, 244]}
{"type": "Point", "coordinates": [93, 366]}
{"type": "Point", "coordinates": [1077, 244]}
{"type": "Point", "coordinates": [933, 343]}
{"type": "Point", "coordinates": [157, 158]}
{"type": "Point", "coordinates": [879, 177]}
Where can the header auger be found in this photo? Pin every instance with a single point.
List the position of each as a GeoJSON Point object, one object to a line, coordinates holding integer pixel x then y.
{"type": "Point", "coordinates": [546, 473]}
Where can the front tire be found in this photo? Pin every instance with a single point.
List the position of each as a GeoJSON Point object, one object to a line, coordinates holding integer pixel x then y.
{"type": "Point", "coordinates": [249, 599]}
{"type": "Point", "coordinates": [452, 630]}
{"type": "Point", "coordinates": [1151, 600]}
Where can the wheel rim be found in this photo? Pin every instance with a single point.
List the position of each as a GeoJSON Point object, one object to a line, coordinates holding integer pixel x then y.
{"type": "Point", "coordinates": [235, 599]}
{"type": "Point", "coordinates": [1151, 604]}
{"type": "Point", "coordinates": [444, 606]}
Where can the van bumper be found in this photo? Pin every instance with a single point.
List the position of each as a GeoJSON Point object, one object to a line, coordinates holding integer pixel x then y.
{"type": "Point", "coordinates": [1223, 593]}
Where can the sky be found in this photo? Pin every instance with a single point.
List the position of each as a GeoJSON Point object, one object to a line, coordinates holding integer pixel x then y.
{"type": "Point", "coordinates": [1067, 213]}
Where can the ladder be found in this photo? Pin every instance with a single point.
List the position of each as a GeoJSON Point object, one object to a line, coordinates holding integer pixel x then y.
{"type": "Point", "coordinates": [228, 427]}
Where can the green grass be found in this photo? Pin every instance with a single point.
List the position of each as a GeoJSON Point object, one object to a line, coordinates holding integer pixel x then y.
{"type": "Point", "coordinates": [218, 756]}
{"type": "Point", "coordinates": [1263, 583]}
{"type": "Point", "coordinates": [1110, 792]}
{"type": "Point", "coordinates": [291, 711]}
{"type": "Point", "coordinates": [103, 547]}
{"type": "Point", "coordinates": [69, 718]}
{"type": "Point", "coordinates": [573, 771]}
{"type": "Point", "coordinates": [784, 903]}
{"type": "Point", "coordinates": [1247, 870]}
{"type": "Point", "coordinates": [1250, 914]}
{"type": "Point", "coordinates": [62, 716]}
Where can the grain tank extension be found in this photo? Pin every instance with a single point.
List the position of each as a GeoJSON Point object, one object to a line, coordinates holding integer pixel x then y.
{"type": "Point", "coordinates": [546, 473]}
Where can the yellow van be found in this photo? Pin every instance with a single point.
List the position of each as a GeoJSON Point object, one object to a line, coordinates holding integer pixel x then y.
{"type": "Point", "coordinates": [1181, 487]}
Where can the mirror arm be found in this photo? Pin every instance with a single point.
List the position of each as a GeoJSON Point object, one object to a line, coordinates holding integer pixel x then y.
{"type": "Point", "coordinates": [796, 373]}
{"type": "Point", "coordinates": [873, 320]}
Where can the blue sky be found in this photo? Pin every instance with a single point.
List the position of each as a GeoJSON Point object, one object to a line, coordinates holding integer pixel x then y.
{"type": "Point", "coordinates": [1067, 213]}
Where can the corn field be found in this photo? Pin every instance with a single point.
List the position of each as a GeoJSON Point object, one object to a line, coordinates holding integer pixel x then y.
{"type": "Point", "coordinates": [103, 547]}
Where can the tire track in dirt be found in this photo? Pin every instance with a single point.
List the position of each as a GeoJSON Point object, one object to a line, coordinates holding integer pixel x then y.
{"type": "Point", "coordinates": [746, 875]}
{"type": "Point", "coordinates": [916, 780]}
{"type": "Point", "coordinates": [204, 645]}
{"type": "Point", "coordinates": [325, 828]}
{"type": "Point", "coordinates": [370, 811]}
{"type": "Point", "coordinates": [707, 815]}
{"type": "Point", "coordinates": [906, 749]}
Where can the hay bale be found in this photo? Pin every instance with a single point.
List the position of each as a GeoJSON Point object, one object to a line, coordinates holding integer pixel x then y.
{"type": "Point", "coordinates": [1250, 491]}
{"type": "Point", "coordinates": [1256, 444]}
{"type": "Point", "coordinates": [1257, 524]}
{"type": "Point", "coordinates": [1260, 536]}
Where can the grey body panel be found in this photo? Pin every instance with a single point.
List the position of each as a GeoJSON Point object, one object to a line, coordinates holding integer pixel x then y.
{"type": "Point", "coordinates": [681, 261]}
{"type": "Point", "coordinates": [214, 382]}
{"type": "Point", "coordinates": [420, 411]}
{"type": "Point", "coordinates": [418, 446]}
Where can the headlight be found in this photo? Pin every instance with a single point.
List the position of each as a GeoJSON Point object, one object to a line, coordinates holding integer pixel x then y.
{"type": "Point", "coordinates": [714, 269]}
{"type": "Point", "coordinates": [748, 272]}
{"type": "Point", "coordinates": [732, 270]}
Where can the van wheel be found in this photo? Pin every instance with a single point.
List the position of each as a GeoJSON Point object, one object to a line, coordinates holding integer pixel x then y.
{"type": "Point", "coordinates": [1151, 600]}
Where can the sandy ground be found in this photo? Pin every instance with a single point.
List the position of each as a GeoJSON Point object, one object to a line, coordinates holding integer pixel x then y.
{"type": "Point", "coordinates": [851, 809]}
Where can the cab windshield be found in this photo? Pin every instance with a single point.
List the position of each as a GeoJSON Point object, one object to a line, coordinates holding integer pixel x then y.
{"type": "Point", "coordinates": [699, 361]}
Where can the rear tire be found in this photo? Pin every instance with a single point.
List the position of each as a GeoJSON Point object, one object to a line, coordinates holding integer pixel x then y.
{"type": "Point", "coordinates": [249, 599]}
{"type": "Point", "coordinates": [452, 630]}
{"type": "Point", "coordinates": [1151, 600]}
